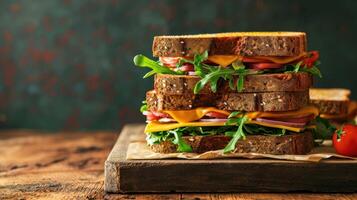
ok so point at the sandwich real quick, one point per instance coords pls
(245, 92)
(334, 104)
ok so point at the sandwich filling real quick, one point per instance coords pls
(211, 68)
(172, 125)
(205, 121)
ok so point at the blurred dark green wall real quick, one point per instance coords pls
(67, 64)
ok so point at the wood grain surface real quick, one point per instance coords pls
(69, 165)
(222, 175)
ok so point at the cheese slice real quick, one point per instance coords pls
(184, 116)
(157, 126)
(225, 60)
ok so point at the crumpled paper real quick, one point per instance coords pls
(140, 151)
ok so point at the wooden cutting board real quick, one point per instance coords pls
(222, 175)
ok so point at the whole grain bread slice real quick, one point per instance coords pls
(236, 43)
(263, 101)
(297, 143)
(282, 82)
(332, 101)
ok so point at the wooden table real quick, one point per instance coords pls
(69, 165)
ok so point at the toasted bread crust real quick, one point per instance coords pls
(242, 44)
(288, 82)
(332, 107)
(298, 143)
(331, 101)
(267, 101)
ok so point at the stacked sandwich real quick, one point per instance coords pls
(240, 92)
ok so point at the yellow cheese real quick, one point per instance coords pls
(184, 116)
(225, 60)
(157, 126)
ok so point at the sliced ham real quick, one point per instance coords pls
(169, 61)
(165, 120)
(216, 115)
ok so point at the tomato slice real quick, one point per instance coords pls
(265, 65)
(216, 115)
(313, 56)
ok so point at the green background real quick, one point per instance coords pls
(67, 65)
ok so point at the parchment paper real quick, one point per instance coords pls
(139, 151)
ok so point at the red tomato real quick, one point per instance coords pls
(216, 115)
(265, 65)
(313, 56)
(169, 61)
(347, 143)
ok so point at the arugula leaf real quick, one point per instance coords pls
(182, 146)
(157, 137)
(298, 68)
(231, 82)
(143, 107)
(312, 70)
(175, 136)
(324, 130)
(237, 135)
(197, 62)
(221, 73)
(212, 78)
(235, 113)
(257, 129)
(143, 61)
(212, 74)
(240, 82)
(238, 65)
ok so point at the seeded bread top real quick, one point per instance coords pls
(237, 43)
